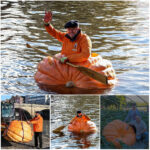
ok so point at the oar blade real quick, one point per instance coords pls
(93, 74)
(29, 46)
(58, 130)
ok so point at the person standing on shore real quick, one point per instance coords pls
(37, 122)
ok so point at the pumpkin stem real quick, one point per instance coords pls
(70, 84)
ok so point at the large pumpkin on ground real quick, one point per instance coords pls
(18, 131)
(82, 126)
(116, 131)
(51, 73)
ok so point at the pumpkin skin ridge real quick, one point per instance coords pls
(55, 82)
(58, 75)
(44, 61)
(11, 135)
(45, 73)
(72, 76)
(69, 74)
(15, 133)
(51, 75)
(78, 76)
(60, 78)
(14, 139)
(57, 64)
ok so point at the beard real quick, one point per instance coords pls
(79, 116)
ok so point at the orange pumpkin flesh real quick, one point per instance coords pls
(82, 127)
(116, 131)
(51, 73)
(18, 131)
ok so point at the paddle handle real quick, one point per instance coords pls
(68, 63)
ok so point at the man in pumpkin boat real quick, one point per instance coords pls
(82, 124)
(37, 122)
(76, 46)
(80, 116)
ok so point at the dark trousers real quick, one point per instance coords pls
(38, 139)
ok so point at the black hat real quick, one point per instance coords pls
(78, 112)
(37, 112)
(72, 24)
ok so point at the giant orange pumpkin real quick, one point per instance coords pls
(18, 131)
(51, 73)
(82, 126)
(116, 131)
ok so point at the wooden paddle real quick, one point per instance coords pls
(58, 130)
(91, 73)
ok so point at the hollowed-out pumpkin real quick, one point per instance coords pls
(52, 73)
(80, 125)
(18, 131)
(117, 131)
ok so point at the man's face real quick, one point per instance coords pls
(72, 31)
(79, 114)
(36, 114)
(134, 107)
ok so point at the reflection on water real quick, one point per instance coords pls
(62, 115)
(118, 30)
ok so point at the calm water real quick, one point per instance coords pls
(118, 30)
(62, 115)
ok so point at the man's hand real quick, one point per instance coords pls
(47, 17)
(28, 122)
(63, 60)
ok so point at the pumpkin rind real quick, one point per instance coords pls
(118, 130)
(51, 72)
(82, 126)
(18, 131)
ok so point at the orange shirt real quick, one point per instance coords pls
(78, 119)
(37, 123)
(78, 50)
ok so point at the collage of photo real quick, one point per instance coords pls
(74, 74)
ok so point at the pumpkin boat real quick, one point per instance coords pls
(3, 126)
(117, 131)
(18, 131)
(80, 125)
(51, 74)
